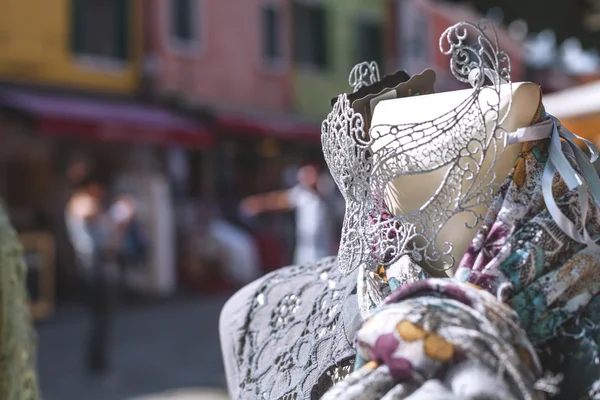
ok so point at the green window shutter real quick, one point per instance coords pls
(310, 34)
(303, 34)
(122, 29)
(319, 36)
(77, 24)
(369, 43)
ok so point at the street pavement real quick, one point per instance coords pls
(165, 350)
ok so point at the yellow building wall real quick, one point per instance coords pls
(35, 48)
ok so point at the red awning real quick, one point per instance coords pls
(280, 126)
(119, 120)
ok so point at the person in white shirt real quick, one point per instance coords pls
(96, 234)
(314, 219)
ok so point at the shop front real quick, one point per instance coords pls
(128, 143)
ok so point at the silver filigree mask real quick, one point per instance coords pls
(457, 141)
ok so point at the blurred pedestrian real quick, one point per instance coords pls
(314, 231)
(96, 234)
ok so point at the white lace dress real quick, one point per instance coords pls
(289, 335)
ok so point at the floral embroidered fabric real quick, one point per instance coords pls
(432, 337)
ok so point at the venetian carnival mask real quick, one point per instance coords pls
(462, 146)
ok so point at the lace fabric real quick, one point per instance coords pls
(294, 337)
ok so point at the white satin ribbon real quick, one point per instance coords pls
(561, 143)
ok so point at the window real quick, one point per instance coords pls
(310, 35)
(100, 28)
(272, 34)
(182, 23)
(419, 39)
(369, 43)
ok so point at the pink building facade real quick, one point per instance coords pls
(230, 61)
(221, 53)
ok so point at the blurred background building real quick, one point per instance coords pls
(191, 105)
